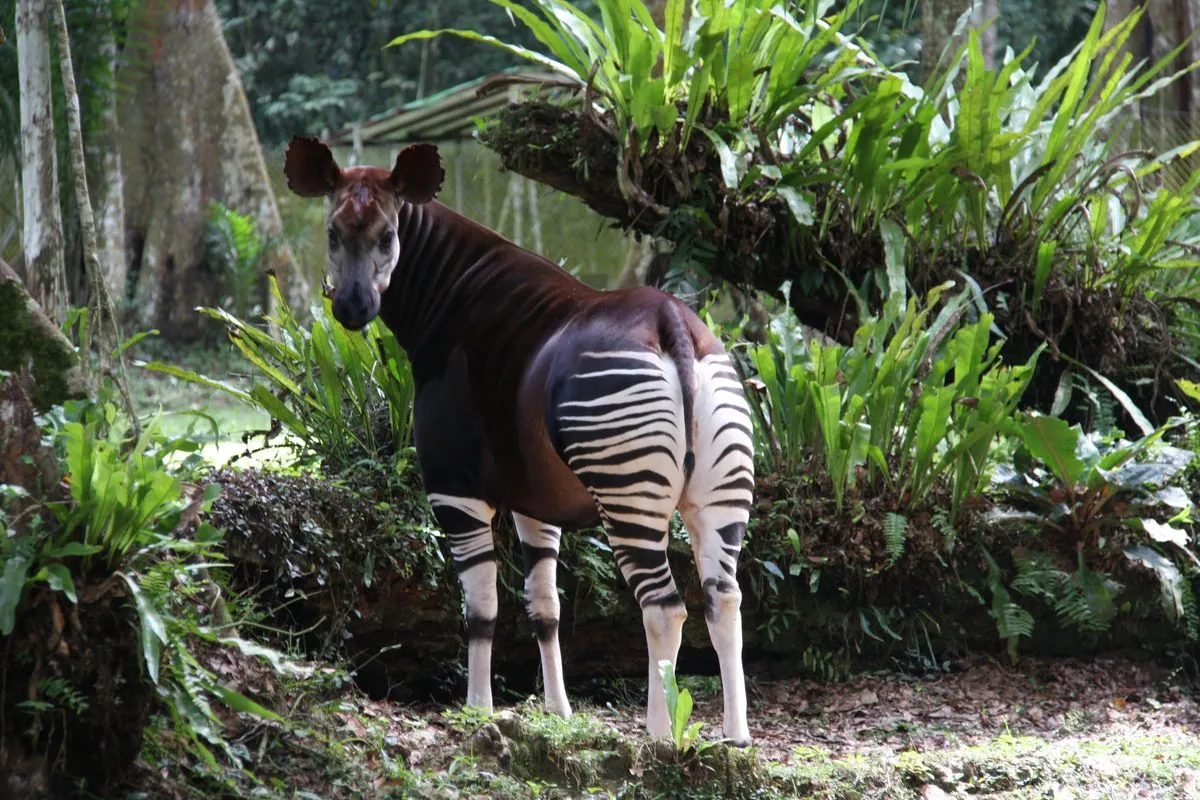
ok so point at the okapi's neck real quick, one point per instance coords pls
(458, 283)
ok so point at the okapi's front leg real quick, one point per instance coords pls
(467, 523)
(539, 546)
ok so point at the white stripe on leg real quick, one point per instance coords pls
(540, 547)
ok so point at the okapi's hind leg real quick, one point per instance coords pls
(620, 426)
(715, 509)
(539, 546)
(641, 553)
(467, 523)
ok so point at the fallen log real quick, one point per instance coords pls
(366, 578)
(753, 243)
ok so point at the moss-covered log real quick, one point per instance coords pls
(756, 244)
(371, 577)
(33, 342)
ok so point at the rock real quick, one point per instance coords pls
(489, 742)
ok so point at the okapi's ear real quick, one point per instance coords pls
(418, 174)
(310, 168)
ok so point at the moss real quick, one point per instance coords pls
(578, 752)
(53, 360)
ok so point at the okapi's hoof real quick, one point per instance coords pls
(741, 744)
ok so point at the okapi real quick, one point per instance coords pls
(566, 405)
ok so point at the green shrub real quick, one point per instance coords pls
(124, 505)
(127, 527)
(1091, 495)
(345, 397)
(912, 402)
(234, 244)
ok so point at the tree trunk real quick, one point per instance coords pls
(1193, 10)
(42, 236)
(102, 322)
(938, 19)
(189, 140)
(110, 205)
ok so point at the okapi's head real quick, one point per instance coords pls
(363, 237)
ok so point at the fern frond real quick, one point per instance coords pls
(1191, 613)
(945, 524)
(1012, 620)
(1087, 603)
(1036, 575)
(895, 534)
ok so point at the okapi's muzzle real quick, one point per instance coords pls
(355, 305)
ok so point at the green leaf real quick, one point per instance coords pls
(1054, 442)
(71, 549)
(675, 61)
(683, 712)
(1062, 394)
(797, 203)
(278, 661)
(194, 377)
(1170, 579)
(1125, 400)
(239, 702)
(558, 45)
(12, 585)
(276, 408)
(895, 246)
(153, 630)
(1162, 532)
(666, 671)
(515, 50)
(729, 169)
(59, 579)
(1045, 261)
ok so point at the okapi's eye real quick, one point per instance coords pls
(333, 239)
(385, 241)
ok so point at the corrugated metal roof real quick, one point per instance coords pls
(449, 114)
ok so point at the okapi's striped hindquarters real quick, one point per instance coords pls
(621, 428)
(563, 404)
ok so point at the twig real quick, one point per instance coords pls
(101, 299)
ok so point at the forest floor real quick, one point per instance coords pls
(1045, 729)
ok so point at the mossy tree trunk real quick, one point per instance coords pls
(188, 140)
(43, 370)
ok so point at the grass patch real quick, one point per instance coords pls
(224, 426)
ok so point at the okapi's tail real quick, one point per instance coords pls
(677, 342)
